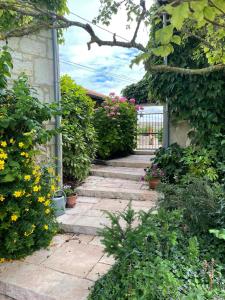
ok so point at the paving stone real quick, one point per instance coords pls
(112, 205)
(118, 193)
(98, 271)
(97, 241)
(74, 258)
(79, 208)
(23, 281)
(132, 161)
(40, 256)
(134, 174)
(87, 200)
(109, 260)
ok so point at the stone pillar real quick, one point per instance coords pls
(33, 55)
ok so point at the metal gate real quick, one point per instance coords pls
(149, 130)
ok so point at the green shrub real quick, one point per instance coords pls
(79, 138)
(27, 220)
(116, 127)
(179, 164)
(158, 260)
(169, 160)
(203, 204)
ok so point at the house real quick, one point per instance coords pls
(97, 97)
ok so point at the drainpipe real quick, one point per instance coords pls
(166, 120)
(57, 95)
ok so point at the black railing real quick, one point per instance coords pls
(149, 130)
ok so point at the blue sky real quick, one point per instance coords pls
(103, 69)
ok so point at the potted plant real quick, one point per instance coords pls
(153, 175)
(71, 196)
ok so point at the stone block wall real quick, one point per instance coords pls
(33, 55)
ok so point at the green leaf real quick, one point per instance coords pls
(164, 35)
(178, 14)
(8, 178)
(209, 13)
(176, 39)
(163, 51)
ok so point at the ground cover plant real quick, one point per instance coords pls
(27, 220)
(115, 122)
(160, 259)
(79, 138)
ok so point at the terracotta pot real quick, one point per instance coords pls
(153, 183)
(71, 201)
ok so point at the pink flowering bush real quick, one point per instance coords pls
(116, 126)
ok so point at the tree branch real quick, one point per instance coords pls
(184, 71)
(141, 18)
(57, 21)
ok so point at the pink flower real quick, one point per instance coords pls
(132, 100)
(137, 107)
(123, 99)
(141, 107)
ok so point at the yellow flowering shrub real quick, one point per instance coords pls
(27, 221)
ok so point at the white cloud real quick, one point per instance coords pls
(111, 64)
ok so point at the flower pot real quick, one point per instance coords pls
(153, 183)
(71, 201)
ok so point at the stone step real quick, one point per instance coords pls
(134, 174)
(132, 161)
(89, 215)
(144, 152)
(114, 188)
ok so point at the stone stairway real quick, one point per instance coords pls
(76, 259)
(111, 187)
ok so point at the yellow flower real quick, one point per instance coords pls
(47, 203)
(14, 217)
(2, 164)
(47, 211)
(3, 155)
(21, 144)
(18, 194)
(2, 260)
(2, 198)
(4, 144)
(41, 199)
(11, 141)
(45, 227)
(25, 154)
(36, 188)
(37, 179)
(27, 177)
(53, 188)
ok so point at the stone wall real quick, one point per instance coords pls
(33, 55)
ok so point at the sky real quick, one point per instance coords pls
(103, 69)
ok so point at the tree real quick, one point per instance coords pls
(205, 19)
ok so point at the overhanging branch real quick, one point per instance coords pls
(184, 71)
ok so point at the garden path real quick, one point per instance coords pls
(76, 259)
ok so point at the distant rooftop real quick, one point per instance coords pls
(95, 95)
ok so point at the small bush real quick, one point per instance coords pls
(169, 160)
(79, 138)
(158, 260)
(27, 220)
(116, 126)
(203, 204)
